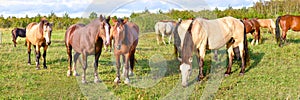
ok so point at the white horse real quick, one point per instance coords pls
(165, 28)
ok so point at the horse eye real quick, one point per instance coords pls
(190, 70)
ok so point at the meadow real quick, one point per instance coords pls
(273, 73)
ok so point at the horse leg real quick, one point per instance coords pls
(284, 33)
(230, 58)
(126, 65)
(162, 37)
(44, 56)
(75, 64)
(170, 38)
(258, 36)
(69, 51)
(84, 58)
(96, 80)
(242, 54)
(123, 62)
(202, 51)
(117, 80)
(255, 37)
(28, 51)
(157, 38)
(38, 55)
(14, 39)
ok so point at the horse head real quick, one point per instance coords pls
(104, 29)
(118, 32)
(46, 30)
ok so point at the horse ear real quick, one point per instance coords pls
(101, 18)
(108, 18)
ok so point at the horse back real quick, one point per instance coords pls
(70, 33)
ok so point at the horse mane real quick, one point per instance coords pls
(41, 25)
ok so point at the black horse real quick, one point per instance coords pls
(17, 32)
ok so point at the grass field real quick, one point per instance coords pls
(274, 73)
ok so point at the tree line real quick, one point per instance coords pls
(261, 9)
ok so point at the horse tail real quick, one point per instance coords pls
(246, 54)
(277, 31)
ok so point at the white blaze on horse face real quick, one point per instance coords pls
(46, 34)
(107, 33)
(186, 71)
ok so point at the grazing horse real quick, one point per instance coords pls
(87, 40)
(164, 28)
(17, 32)
(125, 35)
(267, 23)
(39, 35)
(251, 26)
(286, 22)
(213, 34)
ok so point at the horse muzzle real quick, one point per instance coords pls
(48, 43)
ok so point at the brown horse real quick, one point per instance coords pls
(125, 35)
(251, 26)
(267, 23)
(86, 40)
(286, 22)
(17, 32)
(39, 35)
(213, 34)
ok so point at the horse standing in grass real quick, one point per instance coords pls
(164, 28)
(87, 40)
(267, 23)
(38, 35)
(213, 34)
(125, 35)
(252, 26)
(17, 32)
(286, 22)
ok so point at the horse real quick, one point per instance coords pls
(17, 32)
(164, 28)
(87, 40)
(125, 35)
(251, 26)
(38, 35)
(286, 22)
(267, 23)
(213, 34)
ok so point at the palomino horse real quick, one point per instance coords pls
(213, 34)
(251, 26)
(125, 35)
(17, 32)
(39, 35)
(164, 28)
(267, 23)
(86, 40)
(286, 22)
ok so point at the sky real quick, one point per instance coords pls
(120, 8)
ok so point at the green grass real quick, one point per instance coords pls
(273, 73)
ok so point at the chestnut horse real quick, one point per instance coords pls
(39, 35)
(17, 32)
(286, 22)
(251, 26)
(125, 35)
(87, 40)
(267, 23)
(205, 34)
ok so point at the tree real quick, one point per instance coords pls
(93, 15)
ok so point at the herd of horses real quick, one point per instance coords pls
(195, 35)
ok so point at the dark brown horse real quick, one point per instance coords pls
(38, 35)
(86, 40)
(17, 32)
(286, 22)
(125, 35)
(252, 25)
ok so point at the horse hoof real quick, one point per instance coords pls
(28, 64)
(45, 67)
(83, 81)
(127, 81)
(97, 81)
(241, 74)
(131, 73)
(68, 73)
(38, 68)
(117, 80)
(75, 74)
(226, 75)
